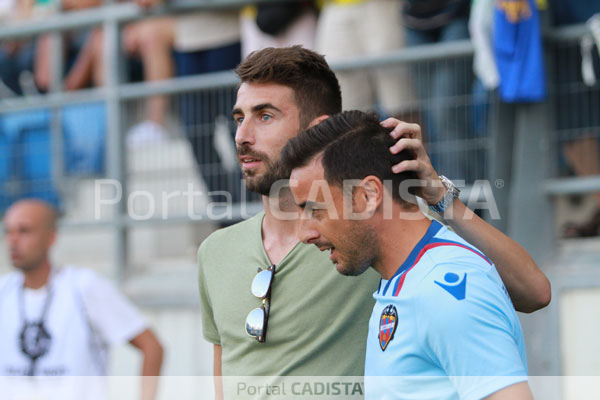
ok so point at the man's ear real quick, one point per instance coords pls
(317, 120)
(372, 192)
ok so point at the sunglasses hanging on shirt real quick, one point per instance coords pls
(258, 318)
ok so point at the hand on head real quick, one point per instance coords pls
(410, 138)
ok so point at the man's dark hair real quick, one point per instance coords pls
(316, 89)
(354, 146)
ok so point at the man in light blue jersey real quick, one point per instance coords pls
(443, 326)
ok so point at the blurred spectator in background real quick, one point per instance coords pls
(149, 40)
(16, 55)
(350, 29)
(60, 321)
(517, 41)
(208, 42)
(481, 24)
(508, 58)
(481, 28)
(435, 21)
(24, 57)
(205, 42)
(278, 24)
(79, 49)
(26, 162)
(578, 112)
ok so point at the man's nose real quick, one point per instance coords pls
(308, 234)
(244, 133)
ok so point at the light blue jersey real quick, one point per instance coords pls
(443, 327)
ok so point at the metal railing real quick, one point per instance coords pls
(575, 108)
(118, 96)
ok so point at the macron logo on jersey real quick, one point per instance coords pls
(454, 286)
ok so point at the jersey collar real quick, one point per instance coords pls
(433, 229)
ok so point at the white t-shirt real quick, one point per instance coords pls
(86, 313)
(7, 7)
(206, 30)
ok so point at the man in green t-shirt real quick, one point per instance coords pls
(317, 319)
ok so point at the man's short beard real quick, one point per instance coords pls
(364, 254)
(27, 267)
(356, 270)
(262, 184)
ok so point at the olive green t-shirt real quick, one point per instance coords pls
(318, 321)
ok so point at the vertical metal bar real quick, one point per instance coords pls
(115, 154)
(502, 128)
(530, 221)
(56, 132)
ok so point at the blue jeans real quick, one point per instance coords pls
(11, 66)
(446, 116)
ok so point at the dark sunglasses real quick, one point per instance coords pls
(257, 319)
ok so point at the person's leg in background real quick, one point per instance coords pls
(83, 57)
(338, 38)
(578, 120)
(152, 41)
(16, 57)
(207, 121)
(41, 66)
(85, 67)
(382, 31)
(583, 157)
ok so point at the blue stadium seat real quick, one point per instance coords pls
(25, 154)
(25, 150)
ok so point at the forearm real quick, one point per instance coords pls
(527, 285)
(150, 373)
(217, 372)
(152, 353)
(152, 363)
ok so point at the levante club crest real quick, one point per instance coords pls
(387, 326)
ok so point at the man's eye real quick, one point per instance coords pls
(317, 213)
(307, 212)
(265, 117)
(238, 120)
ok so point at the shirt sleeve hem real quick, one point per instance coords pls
(134, 330)
(212, 339)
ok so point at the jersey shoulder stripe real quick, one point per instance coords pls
(430, 241)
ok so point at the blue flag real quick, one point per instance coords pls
(518, 51)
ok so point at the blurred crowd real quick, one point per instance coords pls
(506, 35)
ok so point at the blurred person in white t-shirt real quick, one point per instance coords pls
(59, 320)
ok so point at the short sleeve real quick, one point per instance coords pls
(468, 327)
(209, 327)
(110, 313)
